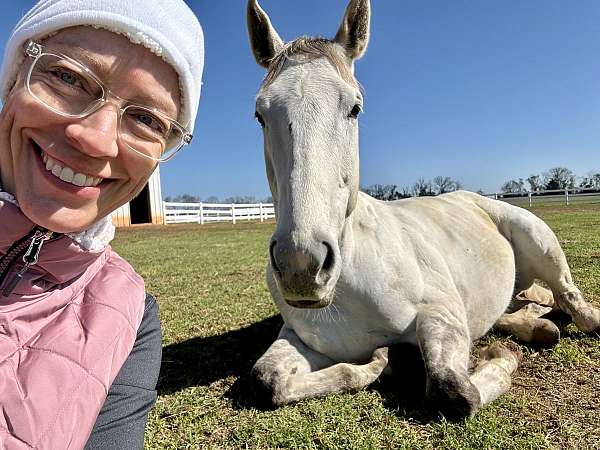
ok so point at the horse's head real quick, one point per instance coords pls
(308, 107)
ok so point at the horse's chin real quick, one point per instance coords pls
(308, 303)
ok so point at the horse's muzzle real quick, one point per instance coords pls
(305, 275)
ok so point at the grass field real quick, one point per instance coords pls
(218, 318)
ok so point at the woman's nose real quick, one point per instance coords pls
(97, 134)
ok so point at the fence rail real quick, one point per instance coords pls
(217, 212)
(565, 196)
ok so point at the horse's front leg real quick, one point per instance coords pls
(291, 371)
(445, 344)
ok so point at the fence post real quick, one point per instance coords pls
(233, 213)
(495, 196)
(567, 196)
(261, 211)
(529, 199)
(201, 214)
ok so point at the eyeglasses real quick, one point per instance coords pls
(70, 89)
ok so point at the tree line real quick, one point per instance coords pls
(420, 188)
(554, 179)
(188, 198)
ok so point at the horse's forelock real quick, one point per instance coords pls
(313, 48)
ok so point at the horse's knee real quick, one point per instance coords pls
(268, 385)
(453, 395)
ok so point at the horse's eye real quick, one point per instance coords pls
(260, 119)
(356, 110)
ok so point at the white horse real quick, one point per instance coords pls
(352, 275)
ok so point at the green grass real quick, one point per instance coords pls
(218, 318)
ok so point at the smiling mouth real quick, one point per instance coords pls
(66, 173)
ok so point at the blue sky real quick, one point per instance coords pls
(479, 91)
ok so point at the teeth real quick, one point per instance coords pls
(79, 179)
(67, 174)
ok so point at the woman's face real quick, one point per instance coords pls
(30, 134)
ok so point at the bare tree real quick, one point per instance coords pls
(592, 180)
(186, 198)
(422, 188)
(445, 184)
(513, 186)
(535, 183)
(559, 178)
(382, 191)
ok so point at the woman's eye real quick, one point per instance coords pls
(356, 110)
(67, 77)
(260, 119)
(150, 122)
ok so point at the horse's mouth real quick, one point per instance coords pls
(308, 304)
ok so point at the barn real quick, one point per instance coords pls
(146, 208)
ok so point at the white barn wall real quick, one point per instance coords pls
(122, 216)
(156, 204)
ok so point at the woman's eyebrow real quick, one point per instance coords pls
(154, 102)
(83, 56)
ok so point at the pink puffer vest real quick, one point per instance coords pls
(65, 332)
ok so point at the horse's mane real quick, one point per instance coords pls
(313, 47)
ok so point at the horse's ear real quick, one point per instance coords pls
(353, 34)
(264, 40)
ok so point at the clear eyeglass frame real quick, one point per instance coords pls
(36, 51)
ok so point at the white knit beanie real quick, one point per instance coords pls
(167, 27)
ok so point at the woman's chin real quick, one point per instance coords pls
(59, 219)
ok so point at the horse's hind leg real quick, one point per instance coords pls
(291, 371)
(527, 325)
(538, 255)
(445, 345)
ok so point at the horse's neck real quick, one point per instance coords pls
(362, 218)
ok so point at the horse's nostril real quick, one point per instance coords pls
(272, 257)
(329, 258)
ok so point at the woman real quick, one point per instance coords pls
(95, 94)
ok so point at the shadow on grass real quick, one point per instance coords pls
(202, 360)
(404, 391)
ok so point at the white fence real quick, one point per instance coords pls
(564, 196)
(217, 212)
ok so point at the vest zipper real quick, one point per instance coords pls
(28, 246)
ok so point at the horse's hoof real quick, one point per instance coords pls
(455, 398)
(380, 355)
(545, 333)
